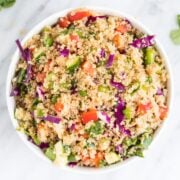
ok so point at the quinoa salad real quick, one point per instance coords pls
(90, 90)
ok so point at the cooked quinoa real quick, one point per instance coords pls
(91, 90)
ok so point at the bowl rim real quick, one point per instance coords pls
(50, 20)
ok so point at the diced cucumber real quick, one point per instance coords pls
(48, 41)
(73, 64)
(83, 93)
(112, 157)
(37, 58)
(149, 56)
(50, 153)
(72, 158)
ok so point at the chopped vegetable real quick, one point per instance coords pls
(64, 22)
(103, 88)
(143, 42)
(74, 37)
(54, 98)
(72, 158)
(178, 20)
(110, 60)
(52, 119)
(143, 108)
(97, 159)
(40, 77)
(73, 64)
(64, 52)
(147, 141)
(96, 129)
(149, 56)
(58, 106)
(127, 113)
(122, 28)
(88, 68)
(50, 153)
(163, 112)
(48, 41)
(102, 53)
(38, 57)
(83, 93)
(40, 92)
(135, 87)
(21, 75)
(90, 115)
(119, 86)
(112, 157)
(75, 16)
(104, 116)
(119, 149)
(15, 92)
(159, 92)
(94, 18)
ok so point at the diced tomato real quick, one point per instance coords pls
(58, 106)
(40, 77)
(88, 68)
(64, 22)
(122, 28)
(75, 16)
(74, 37)
(97, 159)
(143, 108)
(163, 112)
(90, 115)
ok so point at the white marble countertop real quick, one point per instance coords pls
(17, 162)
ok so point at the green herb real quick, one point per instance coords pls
(130, 141)
(54, 98)
(139, 152)
(83, 93)
(40, 113)
(147, 139)
(6, 3)
(50, 153)
(21, 75)
(38, 57)
(96, 128)
(149, 79)
(35, 103)
(135, 87)
(175, 36)
(72, 158)
(127, 113)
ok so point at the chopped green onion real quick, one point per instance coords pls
(21, 75)
(38, 57)
(103, 88)
(48, 41)
(83, 93)
(72, 158)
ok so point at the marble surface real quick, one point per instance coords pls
(18, 162)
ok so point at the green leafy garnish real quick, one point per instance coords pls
(72, 158)
(175, 36)
(6, 3)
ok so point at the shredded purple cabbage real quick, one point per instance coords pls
(143, 42)
(119, 149)
(124, 130)
(102, 53)
(117, 85)
(93, 19)
(64, 52)
(52, 119)
(73, 126)
(72, 164)
(159, 92)
(40, 92)
(44, 145)
(15, 92)
(110, 60)
(106, 117)
(25, 53)
(29, 73)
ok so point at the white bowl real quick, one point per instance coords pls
(49, 21)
